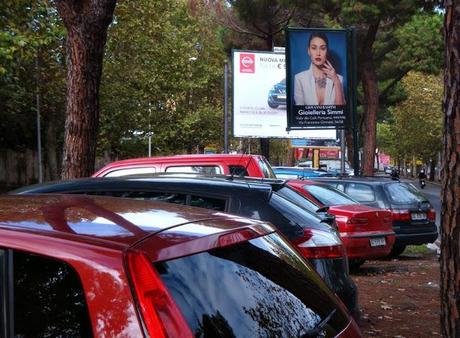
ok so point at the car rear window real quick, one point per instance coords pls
(266, 169)
(260, 288)
(328, 195)
(361, 192)
(297, 198)
(402, 193)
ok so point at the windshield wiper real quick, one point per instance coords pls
(313, 333)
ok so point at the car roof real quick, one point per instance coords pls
(111, 222)
(224, 184)
(372, 180)
(184, 158)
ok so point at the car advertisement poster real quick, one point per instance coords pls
(259, 98)
(317, 78)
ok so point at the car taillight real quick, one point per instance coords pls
(431, 214)
(319, 244)
(162, 318)
(400, 215)
(357, 221)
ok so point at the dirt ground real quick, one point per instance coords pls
(400, 297)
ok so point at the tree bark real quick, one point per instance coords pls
(86, 22)
(371, 106)
(450, 195)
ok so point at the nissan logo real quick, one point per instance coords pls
(246, 61)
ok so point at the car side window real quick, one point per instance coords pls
(207, 203)
(169, 197)
(339, 186)
(360, 192)
(131, 171)
(196, 169)
(238, 170)
(47, 297)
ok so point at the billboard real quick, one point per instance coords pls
(259, 97)
(317, 78)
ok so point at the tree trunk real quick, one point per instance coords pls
(371, 105)
(86, 23)
(450, 195)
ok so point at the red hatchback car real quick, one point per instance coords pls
(366, 232)
(225, 164)
(80, 266)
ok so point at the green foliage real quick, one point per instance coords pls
(162, 74)
(416, 123)
(30, 31)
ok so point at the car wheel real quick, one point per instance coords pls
(397, 250)
(355, 264)
(272, 105)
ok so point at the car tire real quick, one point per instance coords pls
(272, 105)
(396, 251)
(355, 264)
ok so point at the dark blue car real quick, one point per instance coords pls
(277, 95)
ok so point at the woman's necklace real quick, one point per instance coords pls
(320, 82)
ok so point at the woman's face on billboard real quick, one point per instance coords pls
(317, 50)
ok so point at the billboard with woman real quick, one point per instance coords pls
(317, 78)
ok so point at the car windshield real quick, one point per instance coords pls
(328, 195)
(403, 193)
(260, 288)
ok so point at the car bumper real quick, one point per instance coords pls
(415, 233)
(358, 245)
(416, 239)
(334, 273)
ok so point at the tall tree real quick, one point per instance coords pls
(376, 23)
(167, 61)
(86, 23)
(450, 196)
(261, 20)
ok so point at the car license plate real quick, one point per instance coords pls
(418, 216)
(282, 97)
(378, 241)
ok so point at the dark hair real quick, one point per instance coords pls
(318, 35)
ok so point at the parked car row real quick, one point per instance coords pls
(233, 251)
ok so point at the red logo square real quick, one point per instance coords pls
(247, 63)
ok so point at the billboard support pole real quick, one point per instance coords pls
(342, 151)
(226, 107)
(353, 101)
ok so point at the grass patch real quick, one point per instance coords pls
(416, 249)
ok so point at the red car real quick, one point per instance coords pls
(226, 164)
(366, 232)
(83, 266)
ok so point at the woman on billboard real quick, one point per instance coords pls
(320, 84)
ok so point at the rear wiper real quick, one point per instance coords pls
(315, 332)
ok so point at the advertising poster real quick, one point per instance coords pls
(317, 78)
(259, 98)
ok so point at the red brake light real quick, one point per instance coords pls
(400, 215)
(431, 215)
(161, 316)
(319, 244)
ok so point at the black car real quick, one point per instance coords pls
(253, 198)
(413, 216)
